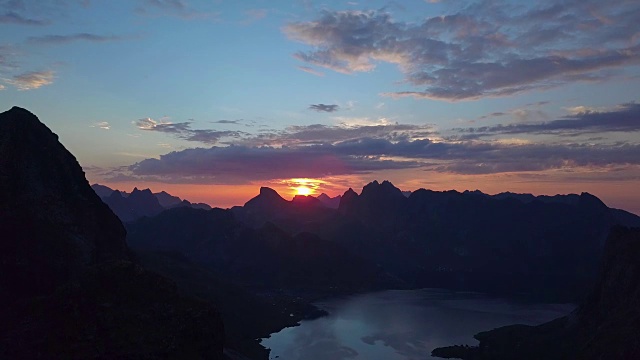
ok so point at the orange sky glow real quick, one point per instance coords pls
(613, 193)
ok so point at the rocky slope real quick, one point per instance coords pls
(68, 285)
(605, 326)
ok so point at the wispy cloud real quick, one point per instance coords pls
(311, 70)
(318, 134)
(104, 125)
(253, 15)
(625, 117)
(233, 122)
(11, 17)
(32, 80)
(63, 39)
(178, 8)
(491, 48)
(184, 131)
(324, 107)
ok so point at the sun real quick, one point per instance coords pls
(303, 186)
(303, 190)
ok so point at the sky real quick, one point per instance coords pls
(209, 100)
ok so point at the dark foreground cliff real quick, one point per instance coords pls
(605, 326)
(68, 285)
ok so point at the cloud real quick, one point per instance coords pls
(234, 122)
(36, 13)
(317, 151)
(168, 4)
(241, 164)
(102, 125)
(310, 70)
(183, 131)
(487, 49)
(179, 8)
(253, 15)
(32, 80)
(2, 87)
(324, 108)
(63, 39)
(11, 17)
(582, 120)
(318, 134)
(6, 54)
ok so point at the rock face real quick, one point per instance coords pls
(68, 286)
(609, 319)
(605, 326)
(52, 222)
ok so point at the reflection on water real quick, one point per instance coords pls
(403, 325)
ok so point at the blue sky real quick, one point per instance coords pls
(212, 99)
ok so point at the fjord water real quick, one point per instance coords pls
(402, 324)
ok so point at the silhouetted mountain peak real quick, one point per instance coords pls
(44, 195)
(349, 193)
(347, 200)
(101, 190)
(144, 192)
(386, 188)
(267, 197)
(65, 271)
(306, 200)
(330, 202)
(116, 194)
(167, 200)
(269, 192)
(587, 199)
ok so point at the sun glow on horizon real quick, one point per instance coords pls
(303, 186)
(303, 190)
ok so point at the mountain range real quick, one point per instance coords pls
(139, 203)
(547, 247)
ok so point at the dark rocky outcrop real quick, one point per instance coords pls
(69, 287)
(604, 326)
(52, 223)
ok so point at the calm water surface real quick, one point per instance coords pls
(402, 325)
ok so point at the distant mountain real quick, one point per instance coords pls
(103, 191)
(68, 285)
(132, 206)
(167, 200)
(547, 246)
(295, 215)
(604, 326)
(330, 202)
